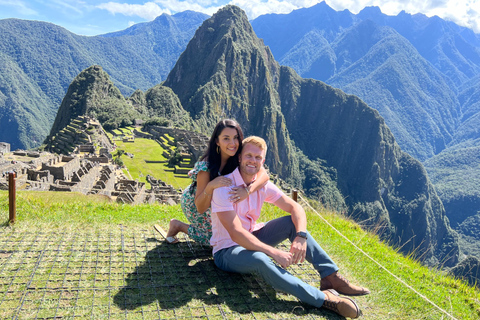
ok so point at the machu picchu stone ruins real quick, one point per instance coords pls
(79, 159)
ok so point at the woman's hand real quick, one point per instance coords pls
(238, 194)
(220, 181)
(205, 187)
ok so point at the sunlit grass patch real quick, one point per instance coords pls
(147, 149)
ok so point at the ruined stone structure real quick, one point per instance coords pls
(130, 191)
(105, 184)
(4, 147)
(86, 175)
(81, 135)
(188, 142)
(62, 167)
(84, 171)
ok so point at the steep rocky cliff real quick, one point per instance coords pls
(383, 186)
(226, 71)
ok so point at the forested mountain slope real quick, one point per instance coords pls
(39, 61)
(226, 71)
(410, 68)
(422, 75)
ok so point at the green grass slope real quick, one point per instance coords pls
(147, 149)
(422, 293)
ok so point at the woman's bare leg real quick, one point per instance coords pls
(177, 226)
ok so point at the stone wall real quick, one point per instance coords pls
(4, 147)
(106, 183)
(90, 173)
(130, 191)
(62, 167)
(100, 159)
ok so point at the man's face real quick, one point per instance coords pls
(251, 159)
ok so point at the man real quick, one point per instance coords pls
(242, 245)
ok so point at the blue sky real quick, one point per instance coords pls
(93, 17)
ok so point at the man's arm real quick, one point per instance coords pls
(232, 223)
(299, 245)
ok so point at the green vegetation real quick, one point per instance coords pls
(82, 211)
(455, 172)
(35, 68)
(62, 214)
(175, 159)
(147, 149)
(158, 121)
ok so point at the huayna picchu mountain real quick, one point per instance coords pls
(226, 71)
(332, 145)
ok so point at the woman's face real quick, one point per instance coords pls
(228, 141)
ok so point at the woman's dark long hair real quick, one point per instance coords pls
(213, 156)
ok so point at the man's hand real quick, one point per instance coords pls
(298, 250)
(284, 259)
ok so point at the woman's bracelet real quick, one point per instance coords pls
(206, 193)
(248, 191)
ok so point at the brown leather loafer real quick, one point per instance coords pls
(344, 306)
(342, 285)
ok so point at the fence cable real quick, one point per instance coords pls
(376, 262)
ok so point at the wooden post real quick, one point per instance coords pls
(12, 197)
(294, 195)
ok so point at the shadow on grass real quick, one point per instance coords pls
(7, 223)
(184, 276)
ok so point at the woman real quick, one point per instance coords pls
(220, 158)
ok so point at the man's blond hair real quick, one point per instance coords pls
(257, 141)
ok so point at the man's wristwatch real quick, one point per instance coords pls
(302, 234)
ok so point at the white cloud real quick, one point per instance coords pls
(148, 10)
(204, 6)
(254, 9)
(463, 12)
(67, 6)
(19, 6)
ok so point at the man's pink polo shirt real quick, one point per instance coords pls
(247, 210)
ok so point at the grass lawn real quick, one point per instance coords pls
(147, 149)
(75, 256)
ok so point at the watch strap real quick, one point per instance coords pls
(302, 234)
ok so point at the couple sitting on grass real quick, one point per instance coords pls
(223, 205)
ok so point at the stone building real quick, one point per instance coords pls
(4, 147)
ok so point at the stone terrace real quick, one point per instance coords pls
(87, 175)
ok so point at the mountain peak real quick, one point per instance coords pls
(221, 41)
(92, 93)
(372, 10)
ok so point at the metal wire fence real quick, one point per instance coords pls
(131, 274)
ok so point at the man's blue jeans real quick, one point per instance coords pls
(240, 260)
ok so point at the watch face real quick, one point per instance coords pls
(302, 234)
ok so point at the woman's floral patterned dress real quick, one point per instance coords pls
(200, 228)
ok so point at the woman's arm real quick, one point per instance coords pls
(205, 187)
(241, 193)
(260, 182)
